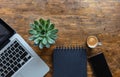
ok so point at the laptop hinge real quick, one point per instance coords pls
(4, 44)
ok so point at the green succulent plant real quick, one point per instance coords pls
(43, 33)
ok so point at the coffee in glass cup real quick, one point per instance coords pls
(92, 41)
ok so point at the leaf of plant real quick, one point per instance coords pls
(40, 27)
(37, 27)
(44, 41)
(51, 41)
(33, 32)
(37, 40)
(53, 37)
(48, 23)
(36, 44)
(35, 36)
(40, 38)
(51, 26)
(47, 45)
(45, 26)
(41, 45)
(36, 22)
(42, 21)
(32, 26)
(54, 31)
(31, 38)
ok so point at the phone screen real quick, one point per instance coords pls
(99, 66)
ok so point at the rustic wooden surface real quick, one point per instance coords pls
(75, 19)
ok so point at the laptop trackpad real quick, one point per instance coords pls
(34, 68)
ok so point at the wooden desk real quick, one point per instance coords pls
(75, 19)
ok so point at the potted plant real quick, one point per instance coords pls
(43, 33)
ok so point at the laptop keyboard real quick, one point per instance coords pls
(12, 59)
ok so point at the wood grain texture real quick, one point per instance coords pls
(75, 19)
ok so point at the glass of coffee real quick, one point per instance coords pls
(92, 41)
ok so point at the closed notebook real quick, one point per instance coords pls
(70, 62)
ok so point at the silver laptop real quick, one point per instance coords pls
(17, 59)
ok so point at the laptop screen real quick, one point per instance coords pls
(5, 32)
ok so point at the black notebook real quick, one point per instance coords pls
(69, 62)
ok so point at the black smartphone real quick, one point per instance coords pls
(99, 65)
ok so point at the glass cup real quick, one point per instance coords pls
(92, 42)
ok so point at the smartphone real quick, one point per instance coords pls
(99, 65)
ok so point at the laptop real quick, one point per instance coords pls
(17, 58)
